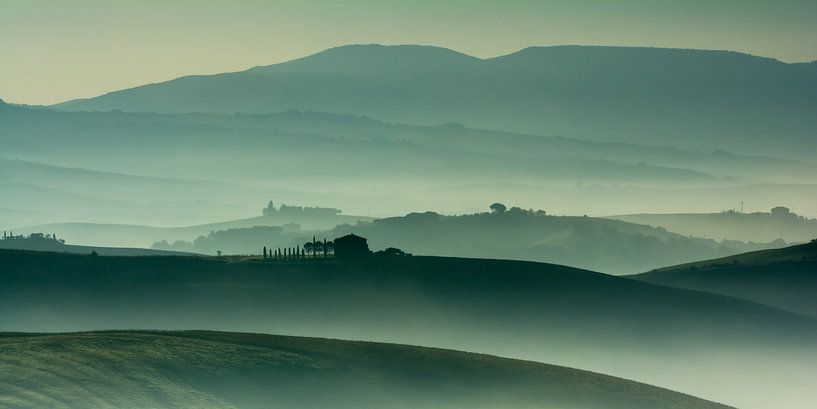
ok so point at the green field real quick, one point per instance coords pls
(132, 369)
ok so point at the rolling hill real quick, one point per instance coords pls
(733, 225)
(197, 369)
(90, 207)
(518, 234)
(36, 194)
(128, 235)
(715, 345)
(592, 243)
(784, 278)
(660, 96)
(49, 245)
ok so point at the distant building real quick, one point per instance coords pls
(780, 211)
(351, 247)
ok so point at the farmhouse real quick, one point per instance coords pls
(351, 247)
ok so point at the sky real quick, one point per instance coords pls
(56, 50)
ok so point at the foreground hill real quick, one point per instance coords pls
(711, 98)
(785, 278)
(198, 369)
(715, 345)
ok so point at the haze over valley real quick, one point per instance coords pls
(241, 205)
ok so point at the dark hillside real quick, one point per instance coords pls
(543, 312)
(784, 278)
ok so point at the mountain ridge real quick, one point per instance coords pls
(452, 52)
(625, 94)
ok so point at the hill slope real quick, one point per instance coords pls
(237, 371)
(28, 244)
(716, 345)
(784, 278)
(731, 225)
(712, 98)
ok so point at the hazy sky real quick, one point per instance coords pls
(56, 50)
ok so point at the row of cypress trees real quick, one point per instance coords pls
(309, 248)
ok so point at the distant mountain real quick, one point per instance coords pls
(784, 278)
(714, 345)
(716, 99)
(734, 225)
(219, 370)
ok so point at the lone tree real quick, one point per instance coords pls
(498, 208)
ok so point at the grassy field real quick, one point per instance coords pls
(238, 370)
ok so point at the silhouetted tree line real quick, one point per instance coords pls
(311, 249)
(233, 241)
(36, 237)
(777, 212)
(286, 210)
(499, 208)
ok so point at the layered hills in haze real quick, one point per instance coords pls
(225, 165)
(479, 192)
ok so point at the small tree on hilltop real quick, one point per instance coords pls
(497, 208)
